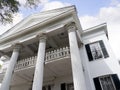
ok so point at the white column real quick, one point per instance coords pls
(77, 69)
(8, 75)
(39, 69)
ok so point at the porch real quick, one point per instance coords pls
(57, 69)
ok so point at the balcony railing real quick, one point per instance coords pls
(50, 56)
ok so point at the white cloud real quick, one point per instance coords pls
(17, 18)
(114, 2)
(54, 5)
(22, 2)
(110, 15)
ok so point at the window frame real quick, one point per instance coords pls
(102, 47)
(113, 78)
(100, 50)
(106, 76)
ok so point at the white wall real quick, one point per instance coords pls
(99, 67)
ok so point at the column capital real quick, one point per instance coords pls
(71, 26)
(16, 46)
(42, 36)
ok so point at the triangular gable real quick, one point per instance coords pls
(36, 18)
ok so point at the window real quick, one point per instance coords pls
(107, 82)
(70, 86)
(96, 50)
(47, 87)
(67, 86)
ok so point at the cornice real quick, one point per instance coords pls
(97, 28)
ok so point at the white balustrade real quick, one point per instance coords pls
(56, 54)
(25, 63)
(51, 55)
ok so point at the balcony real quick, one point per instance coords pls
(51, 56)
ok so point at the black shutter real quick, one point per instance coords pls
(63, 86)
(97, 84)
(89, 52)
(116, 81)
(103, 49)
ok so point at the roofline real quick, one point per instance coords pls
(103, 25)
(42, 12)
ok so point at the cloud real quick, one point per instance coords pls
(22, 2)
(114, 2)
(16, 18)
(53, 5)
(110, 15)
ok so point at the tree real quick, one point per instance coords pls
(9, 7)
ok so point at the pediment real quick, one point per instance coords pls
(35, 19)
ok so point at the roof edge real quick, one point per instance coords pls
(103, 25)
(42, 12)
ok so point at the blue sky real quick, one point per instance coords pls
(83, 6)
(89, 7)
(90, 13)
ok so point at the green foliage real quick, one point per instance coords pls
(9, 7)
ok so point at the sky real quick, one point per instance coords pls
(90, 13)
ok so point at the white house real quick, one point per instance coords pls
(50, 51)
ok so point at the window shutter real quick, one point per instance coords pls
(116, 81)
(89, 52)
(97, 84)
(63, 86)
(103, 49)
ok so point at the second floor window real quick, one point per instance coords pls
(96, 50)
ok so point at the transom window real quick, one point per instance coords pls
(96, 50)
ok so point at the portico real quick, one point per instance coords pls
(50, 51)
(47, 53)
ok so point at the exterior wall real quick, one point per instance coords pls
(98, 67)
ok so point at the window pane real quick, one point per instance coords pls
(96, 50)
(107, 83)
(103, 49)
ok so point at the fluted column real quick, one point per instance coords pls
(39, 69)
(77, 70)
(8, 75)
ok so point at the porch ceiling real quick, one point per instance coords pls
(52, 70)
(55, 39)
